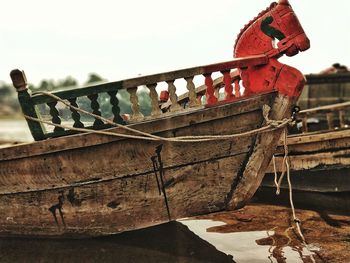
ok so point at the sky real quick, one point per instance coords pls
(122, 39)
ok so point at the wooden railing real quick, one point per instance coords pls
(31, 103)
(334, 115)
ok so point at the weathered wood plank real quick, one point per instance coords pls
(250, 178)
(324, 109)
(59, 169)
(159, 125)
(331, 181)
(120, 204)
(318, 136)
(321, 160)
(327, 78)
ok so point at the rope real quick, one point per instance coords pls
(270, 126)
(286, 168)
(278, 181)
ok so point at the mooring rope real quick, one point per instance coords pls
(286, 169)
(269, 126)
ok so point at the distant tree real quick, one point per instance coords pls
(8, 97)
(67, 82)
(5, 90)
(93, 77)
(32, 87)
(46, 85)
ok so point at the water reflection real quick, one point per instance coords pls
(283, 249)
(241, 245)
(188, 241)
(171, 242)
(252, 246)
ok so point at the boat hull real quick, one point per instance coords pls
(91, 185)
(319, 162)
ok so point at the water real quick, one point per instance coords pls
(241, 245)
(248, 246)
(14, 131)
(185, 241)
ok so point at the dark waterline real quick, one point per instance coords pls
(189, 241)
(171, 242)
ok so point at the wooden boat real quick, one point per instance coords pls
(319, 159)
(325, 89)
(319, 149)
(114, 179)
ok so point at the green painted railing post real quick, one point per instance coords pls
(20, 83)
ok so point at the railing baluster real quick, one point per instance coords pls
(75, 114)
(211, 99)
(228, 86)
(173, 97)
(95, 106)
(304, 127)
(237, 89)
(135, 107)
(115, 106)
(55, 115)
(330, 120)
(342, 118)
(154, 99)
(192, 96)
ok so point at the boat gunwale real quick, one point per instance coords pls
(76, 141)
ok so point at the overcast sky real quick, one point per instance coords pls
(119, 39)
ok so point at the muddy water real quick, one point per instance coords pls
(185, 241)
(248, 246)
(256, 233)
